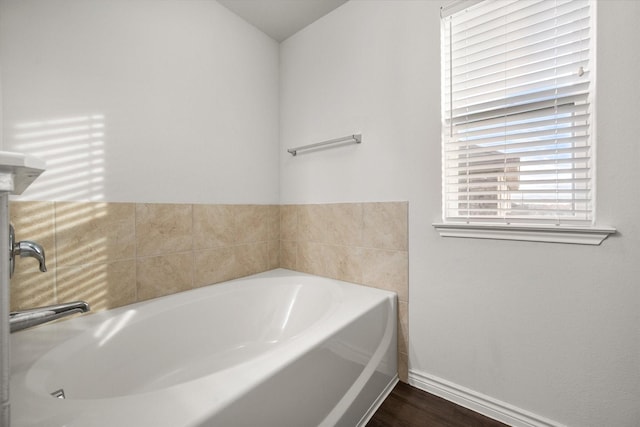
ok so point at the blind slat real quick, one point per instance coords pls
(506, 141)
(506, 173)
(552, 95)
(526, 77)
(471, 185)
(582, 193)
(532, 119)
(502, 162)
(515, 112)
(520, 85)
(515, 127)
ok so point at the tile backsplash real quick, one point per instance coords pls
(114, 254)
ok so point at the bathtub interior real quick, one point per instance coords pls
(229, 328)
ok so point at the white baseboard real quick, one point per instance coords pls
(478, 402)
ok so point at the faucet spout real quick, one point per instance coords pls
(27, 248)
(19, 320)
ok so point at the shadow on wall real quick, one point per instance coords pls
(74, 149)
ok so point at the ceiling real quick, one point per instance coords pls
(280, 19)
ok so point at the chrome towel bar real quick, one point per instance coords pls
(355, 138)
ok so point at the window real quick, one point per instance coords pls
(517, 97)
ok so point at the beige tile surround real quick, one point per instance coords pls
(364, 243)
(114, 254)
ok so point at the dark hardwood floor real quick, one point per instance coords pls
(408, 406)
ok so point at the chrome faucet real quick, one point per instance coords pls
(23, 319)
(25, 248)
(19, 320)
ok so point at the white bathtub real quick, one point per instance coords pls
(276, 349)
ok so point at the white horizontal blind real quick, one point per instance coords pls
(517, 82)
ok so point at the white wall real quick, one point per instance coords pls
(141, 100)
(550, 328)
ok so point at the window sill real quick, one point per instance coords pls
(527, 233)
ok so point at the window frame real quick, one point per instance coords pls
(541, 231)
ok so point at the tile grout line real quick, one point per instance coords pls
(193, 247)
(55, 246)
(135, 252)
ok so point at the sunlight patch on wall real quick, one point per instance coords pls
(73, 234)
(74, 149)
(81, 249)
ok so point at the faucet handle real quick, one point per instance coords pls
(25, 248)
